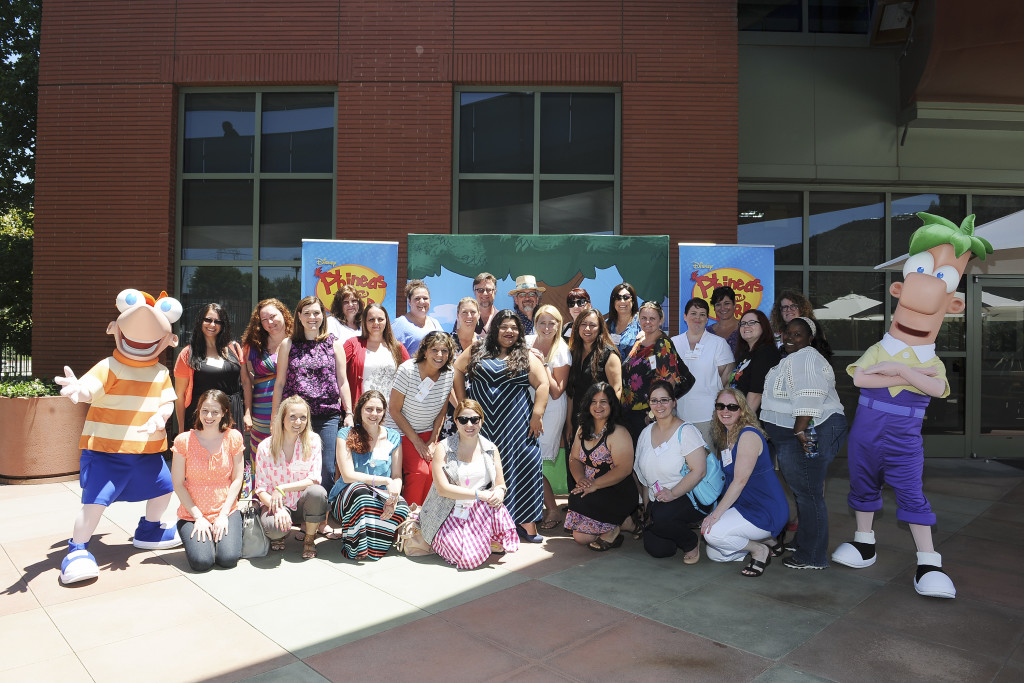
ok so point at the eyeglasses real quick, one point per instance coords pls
(484, 290)
(624, 297)
(468, 419)
(659, 401)
(573, 303)
(731, 407)
(789, 307)
(749, 323)
(529, 294)
(211, 321)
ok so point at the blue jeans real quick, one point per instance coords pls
(326, 426)
(806, 479)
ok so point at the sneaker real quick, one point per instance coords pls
(155, 536)
(79, 565)
(794, 563)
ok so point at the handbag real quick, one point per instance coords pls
(409, 536)
(709, 489)
(254, 540)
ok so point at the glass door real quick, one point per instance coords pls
(995, 353)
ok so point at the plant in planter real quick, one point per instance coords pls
(41, 431)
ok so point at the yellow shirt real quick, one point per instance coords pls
(878, 353)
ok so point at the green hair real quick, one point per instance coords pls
(938, 230)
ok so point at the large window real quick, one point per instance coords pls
(536, 162)
(818, 16)
(257, 177)
(827, 243)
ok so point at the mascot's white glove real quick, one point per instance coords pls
(72, 387)
(159, 419)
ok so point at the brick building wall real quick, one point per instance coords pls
(107, 136)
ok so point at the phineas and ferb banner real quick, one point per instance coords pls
(748, 269)
(370, 267)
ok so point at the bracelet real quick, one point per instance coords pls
(279, 490)
(798, 433)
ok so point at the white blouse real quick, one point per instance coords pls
(803, 383)
(664, 464)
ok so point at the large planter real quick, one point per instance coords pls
(39, 439)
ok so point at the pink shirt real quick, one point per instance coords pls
(271, 471)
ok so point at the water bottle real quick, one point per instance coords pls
(811, 445)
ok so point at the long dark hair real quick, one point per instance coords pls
(387, 336)
(298, 333)
(743, 349)
(433, 339)
(586, 420)
(339, 300)
(612, 314)
(602, 341)
(197, 343)
(358, 440)
(488, 347)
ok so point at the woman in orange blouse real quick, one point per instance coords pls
(207, 473)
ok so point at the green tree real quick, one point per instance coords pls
(16, 279)
(19, 76)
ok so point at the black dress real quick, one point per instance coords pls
(606, 507)
(227, 378)
(582, 378)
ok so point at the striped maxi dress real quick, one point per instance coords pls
(263, 369)
(507, 408)
(365, 536)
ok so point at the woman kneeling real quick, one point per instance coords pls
(288, 467)
(365, 498)
(753, 508)
(207, 473)
(464, 517)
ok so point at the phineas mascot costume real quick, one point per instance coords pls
(898, 378)
(123, 441)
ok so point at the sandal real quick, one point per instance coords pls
(277, 545)
(756, 567)
(309, 548)
(779, 547)
(695, 557)
(600, 545)
(549, 523)
(639, 523)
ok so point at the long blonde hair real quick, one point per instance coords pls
(277, 431)
(558, 342)
(719, 435)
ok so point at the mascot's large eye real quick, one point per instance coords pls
(922, 263)
(169, 308)
(949, 276)
(130, 298)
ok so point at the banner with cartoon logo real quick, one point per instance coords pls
(748, 268)
(370, 267)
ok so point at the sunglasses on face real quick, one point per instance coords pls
(211, 321)
(625, 297)
(467, 419)
(577, 302)
(731, 407)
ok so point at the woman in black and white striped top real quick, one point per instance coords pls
(417, 407)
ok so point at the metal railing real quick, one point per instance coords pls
(14, 365)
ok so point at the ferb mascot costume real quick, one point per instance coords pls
(124, 440)
(897, 378)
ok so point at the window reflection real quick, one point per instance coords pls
(773, 218)
(280, 282)
(847, 228)
(219, 132)
(577, 132)
(575, 207)
(297, 132)
(904, 210)
(850, 307)
(230, 286)
(496, 132)
(496, 206)
(290, 211)
(216, 219)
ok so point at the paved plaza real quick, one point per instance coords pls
(550, 612)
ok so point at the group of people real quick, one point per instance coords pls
(352, 424)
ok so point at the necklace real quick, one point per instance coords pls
(599, 434)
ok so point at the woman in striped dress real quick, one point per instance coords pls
(269, 325)
(501, 370)
(365, 498)
(467, 501)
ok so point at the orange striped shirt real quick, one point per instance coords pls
(125, 394)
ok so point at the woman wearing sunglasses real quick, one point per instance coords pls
(623, 325)
(753, 508)
(464, 517)
(576, 301)
(210, 361)
(804, 419)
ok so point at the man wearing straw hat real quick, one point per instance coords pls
(526, 298)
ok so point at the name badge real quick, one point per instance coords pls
(660, 450)
(461, 509)
(653, 362)
(615, 338)
(424, 389)
(726, 457)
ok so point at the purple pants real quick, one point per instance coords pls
(886, 448)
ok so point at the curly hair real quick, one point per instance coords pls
(255, 337)
(806, 309)
(432, 339)
(358, 440)
(518, 354)
(339, 300)
(719, 434)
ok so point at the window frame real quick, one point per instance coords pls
(255, 263)
(536, 176)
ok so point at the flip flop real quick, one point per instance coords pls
(601, 545)
(549, 523)
(755, 568)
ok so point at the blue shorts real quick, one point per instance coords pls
(109, 477)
